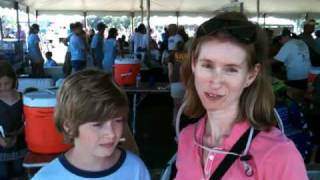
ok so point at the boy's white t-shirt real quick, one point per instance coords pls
(128, 167)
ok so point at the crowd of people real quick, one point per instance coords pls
(222, 77)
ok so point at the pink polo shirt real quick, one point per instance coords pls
(274, 156)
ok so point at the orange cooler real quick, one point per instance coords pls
(126, 70)
(41, 133)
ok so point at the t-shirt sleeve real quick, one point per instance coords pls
(285, 162)
(138, 166)
(144, 173)
(49, 171)
(283, 53)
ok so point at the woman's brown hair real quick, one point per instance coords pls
(257, 100)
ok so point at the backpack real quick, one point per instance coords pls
(316, 91)
(295, 126)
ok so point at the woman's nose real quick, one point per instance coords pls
(216, 79)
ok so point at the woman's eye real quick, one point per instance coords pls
(206, 65)
(231, 69)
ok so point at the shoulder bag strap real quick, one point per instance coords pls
(229, 158)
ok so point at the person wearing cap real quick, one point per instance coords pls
(294, 54)
(306, 36)
(97, 45)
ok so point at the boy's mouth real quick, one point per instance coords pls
(107, 145)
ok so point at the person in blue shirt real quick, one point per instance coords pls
(91, 113)
(110, 50)
(97, 45)
(34, 52)
(50, 62)
(77, 48)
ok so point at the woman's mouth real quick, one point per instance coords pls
(213, 96)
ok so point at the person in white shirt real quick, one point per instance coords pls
(174, 37)
(140, 42)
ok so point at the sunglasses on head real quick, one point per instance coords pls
(244, 31)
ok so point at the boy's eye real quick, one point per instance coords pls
(118, 120)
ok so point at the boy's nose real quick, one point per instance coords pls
(108, 131)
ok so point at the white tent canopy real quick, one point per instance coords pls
(288, 8)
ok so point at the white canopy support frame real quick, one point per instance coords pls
(283, 7)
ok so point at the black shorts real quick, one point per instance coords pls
(299, 84)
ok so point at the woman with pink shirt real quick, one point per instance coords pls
(228, 88)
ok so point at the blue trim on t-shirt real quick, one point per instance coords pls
(92, 174)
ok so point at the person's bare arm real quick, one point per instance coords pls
(2, 142)
(170, 71)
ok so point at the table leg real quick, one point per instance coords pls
(134, 113)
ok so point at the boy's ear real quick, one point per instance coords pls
(66, 126)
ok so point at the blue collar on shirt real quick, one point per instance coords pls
(92, 174)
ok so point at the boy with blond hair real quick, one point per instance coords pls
(91, 112)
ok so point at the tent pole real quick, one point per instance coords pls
(306, 16)
(132, 25)
(258, 10)
(177, 15)
(141, 7)
(85, 19)
(1, 30)
(28, 13)
(241, 7)
(37, 14)
(20, 45)
(16, 7)
(148, 29)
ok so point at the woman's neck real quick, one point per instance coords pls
(218, 126)
(91, 163)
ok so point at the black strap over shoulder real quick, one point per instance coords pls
(229, 158)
